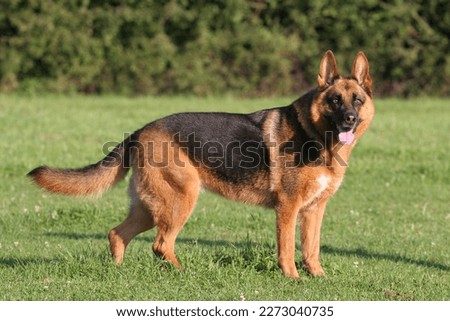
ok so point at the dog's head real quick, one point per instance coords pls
(344, 104)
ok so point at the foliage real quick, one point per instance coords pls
(204, 47)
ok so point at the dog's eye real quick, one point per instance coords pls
(357, 102)
(334, 101)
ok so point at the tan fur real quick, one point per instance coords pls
(165, 196)
(77, 183)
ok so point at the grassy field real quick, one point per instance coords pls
(385, 235)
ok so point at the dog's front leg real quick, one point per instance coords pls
(286, 225)
(310, 223)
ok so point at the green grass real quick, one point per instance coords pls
(385, 235)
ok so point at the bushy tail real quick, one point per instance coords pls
(92, 179)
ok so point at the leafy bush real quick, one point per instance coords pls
(214, 47)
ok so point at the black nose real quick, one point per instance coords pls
(350, 117)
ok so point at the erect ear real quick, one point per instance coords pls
(360, 72)
(328, 70)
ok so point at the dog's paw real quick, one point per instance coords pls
(314, 269)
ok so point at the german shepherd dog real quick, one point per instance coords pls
(291, 159)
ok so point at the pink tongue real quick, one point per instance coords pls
(346, 137)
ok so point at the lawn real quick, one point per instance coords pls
(385, 235)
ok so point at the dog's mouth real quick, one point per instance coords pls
(347, 137)
(344, 123)
(345, 132)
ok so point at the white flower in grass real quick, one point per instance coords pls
(54, 215)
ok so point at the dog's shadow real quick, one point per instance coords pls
(398, 258)
(328, 249)
(14, 262)
(181, 240)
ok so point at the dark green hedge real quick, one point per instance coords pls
(214, 47)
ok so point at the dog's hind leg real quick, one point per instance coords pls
(178, 206)
(139, 220)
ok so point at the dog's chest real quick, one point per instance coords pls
(322, 186)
